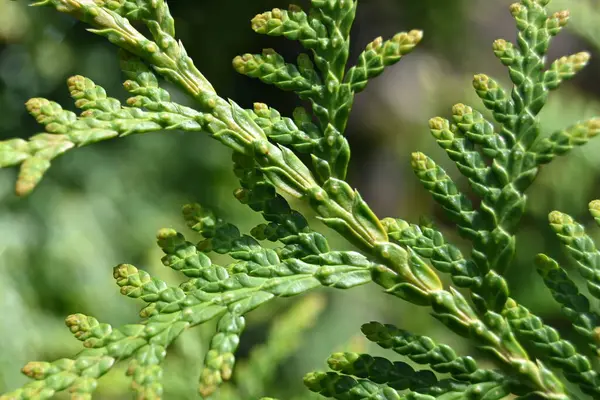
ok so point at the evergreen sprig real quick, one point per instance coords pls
(500, 159)
(361, 376)
(587, 13)
(256, 276)
(102, 118)
(500, 165)
(580, 246)
(560, 353)
(425, 351)
(576, 305)
(324, 80)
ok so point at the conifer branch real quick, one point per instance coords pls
(325, 32)
(102, 118)
(560, 353)
(210, 292)
(500, 165)
(575, 305)
(579, 246)
(425, 351)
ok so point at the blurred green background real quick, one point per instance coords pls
(100, 206)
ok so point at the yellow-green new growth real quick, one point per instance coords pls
(102, 118)
(379, 54)
(500, 161)
(271, 68)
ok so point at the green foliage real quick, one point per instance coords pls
(102, 118)
(500, 159)
(325, 31)
(587, 13)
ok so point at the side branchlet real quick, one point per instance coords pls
(500, 159)
(321, 77)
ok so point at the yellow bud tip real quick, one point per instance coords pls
(516, 9)
(35, 105)
(594, 206)
(24, 188)
(582, 58)
(260, 107)
(124, 270)
(419, 161)
(500, 45)
(416, 35)
(461, 109)
(556, 217)
(575, 61)
(166, 233)
(238, 63)
(511, 303)
(118, 272)
(562, 17)
(481, 82)
(35, 369)
(375, 44)
(77, 323)
(438, 123)
(76, 83)
(593, 127)
(259, 22)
